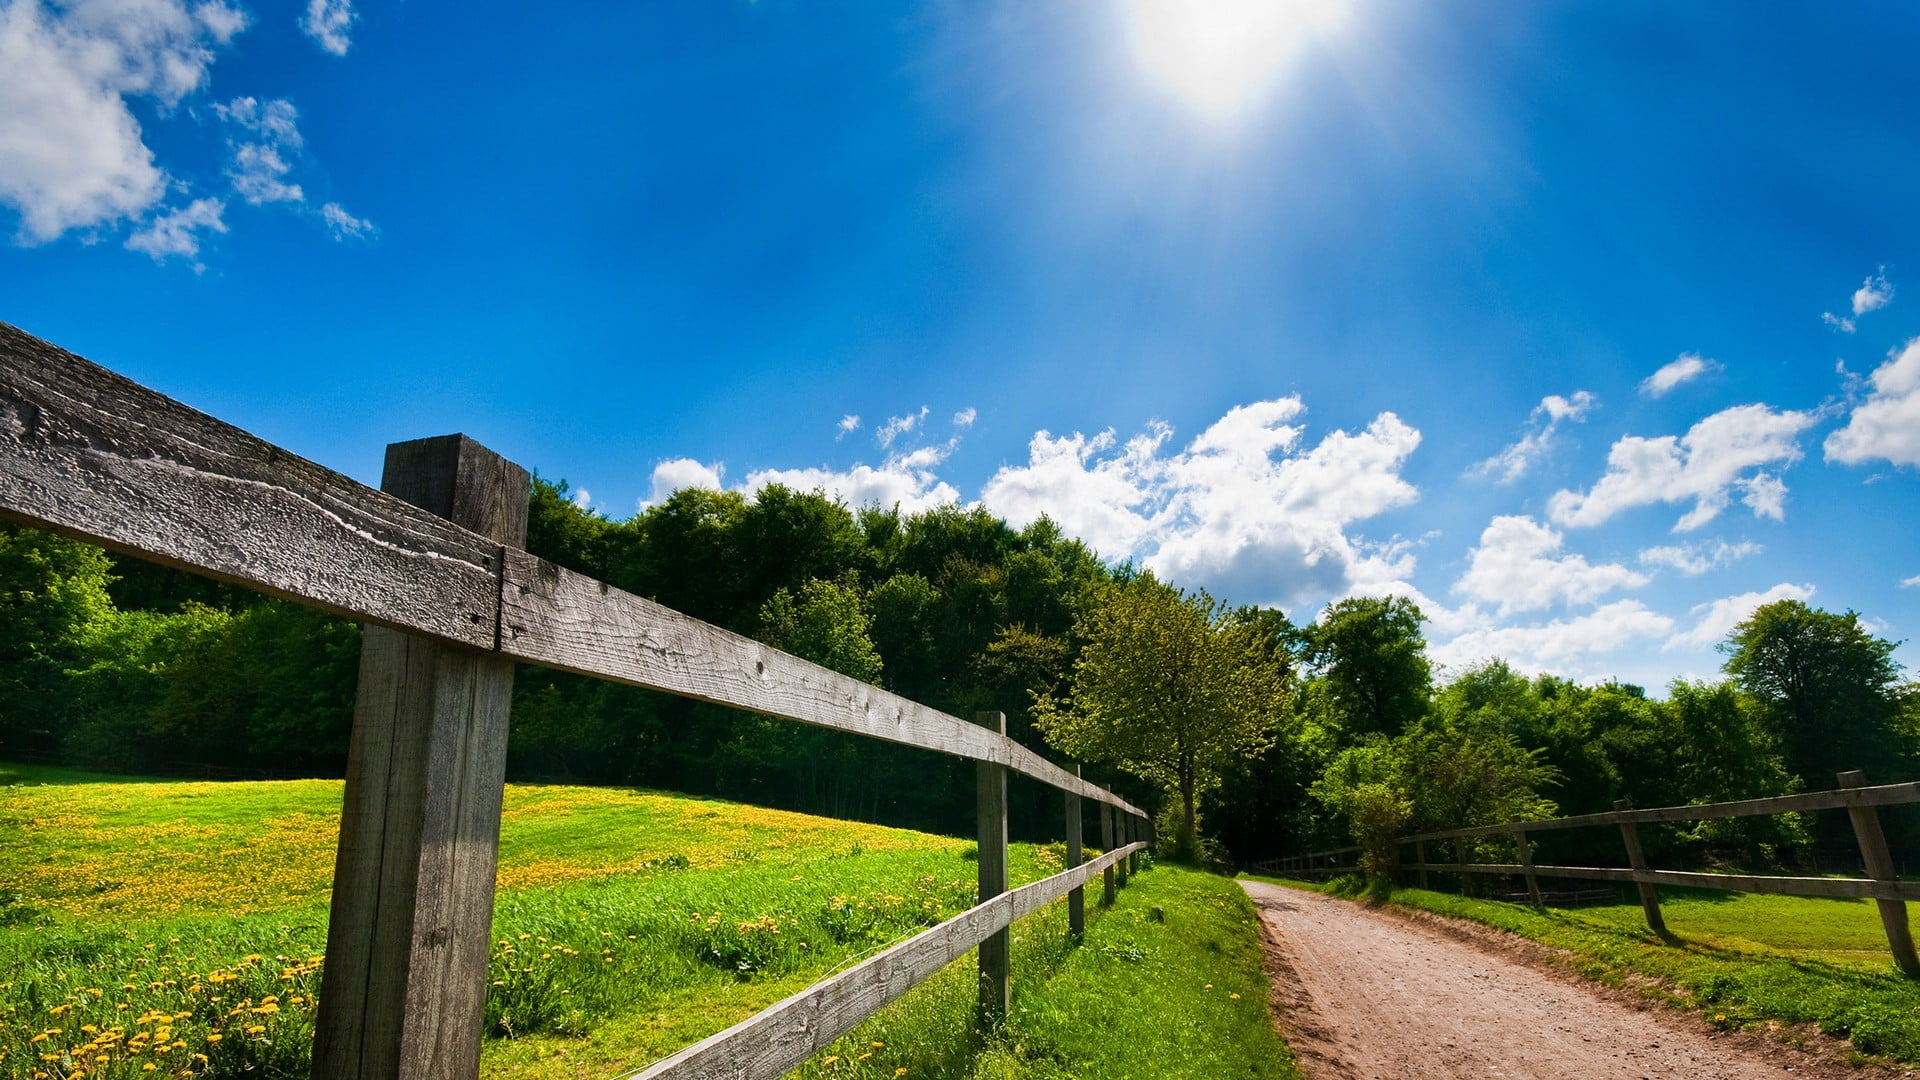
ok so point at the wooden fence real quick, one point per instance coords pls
(433, 564)
(1881, 884)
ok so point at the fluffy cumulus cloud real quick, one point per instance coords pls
(1713, 621)
(1873, 294)
(327, 23)
(848, 425)
(1728, 452)
(1885, 426)
(1520, 565)
(72, 156)
(908, 481)
(1246, 509)
(897, 426)
(1696, 559)
(671, 476)
(1683, 368)
(1566, 646)
(1513, 462)
(261, 135)
(177, 232)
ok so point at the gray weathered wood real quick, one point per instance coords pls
(1106, 844)
(557, 618)
(990, 815)
(1077, 898)
(405, 982)
(1882, 795)
(1858, 888)
(90, 454)
(1649, 896)
(1526, 864)
(1120, 838)
(770, 1043)
(1880, 867)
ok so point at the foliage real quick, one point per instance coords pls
(1372, 657)
(52, 593)
(1170, 687)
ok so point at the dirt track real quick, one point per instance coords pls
(1364, 995)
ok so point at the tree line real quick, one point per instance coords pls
(1253, 735)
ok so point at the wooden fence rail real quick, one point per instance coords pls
(1881, 884)
(434, 564)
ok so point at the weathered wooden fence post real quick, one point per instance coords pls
(991, 814)
(405, 982)
(1420, 856)
(1526, 865)
(1460, 848)
(1106, 844)
(1120, 840)
(1649, 896)
(1077, 898)
(1880, 867)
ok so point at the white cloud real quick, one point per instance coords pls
(1563, 646)
(848, 425)
(327, 21)
(1873, 294)
(907, 481)
(1912, 582)
(1683, 368)
(1519, 566)
(1713, 621)
(177, 232)
(1696, 559)
(343, 225)
(1720, 454)
(582, 498)
(671, 476)
(258, 173)
(1512, 463)
(1244, 510)
(72, 155)
(898, 426)
(1887, 424)
(965, 417)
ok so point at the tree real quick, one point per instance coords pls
(1169, 686)
(53, 591)
(1371, 654)
(1830, 688)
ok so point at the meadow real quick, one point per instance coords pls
(176, 928)
(1738, 959)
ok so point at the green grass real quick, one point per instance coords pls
(1740, 960)
(180, 925)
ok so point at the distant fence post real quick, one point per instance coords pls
(991, 814)
(1420, 857)
(1106, 844)
(1119, 840)
(1649, 896)
(1880, 867)
(405, 982)
(1526, 865)
(1076, 899)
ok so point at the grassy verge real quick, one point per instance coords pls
(165, 928)
(1740, 960)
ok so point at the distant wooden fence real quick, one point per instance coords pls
(434, 564)
(1881, 884)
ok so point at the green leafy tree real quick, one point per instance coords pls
(1373, 658)
(1170, 687)
(825, 622)
(53, 593)
(1831, 690)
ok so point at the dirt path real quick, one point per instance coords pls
(1367, 995)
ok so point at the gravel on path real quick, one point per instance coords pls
(1364, 994)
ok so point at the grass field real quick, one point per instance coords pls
(172, 928)
(1738, 959)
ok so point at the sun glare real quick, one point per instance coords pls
(1221, 57)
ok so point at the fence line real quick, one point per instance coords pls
(1881, 884)
(433, 563)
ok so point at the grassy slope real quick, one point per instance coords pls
(1738, 959)
(628, 924)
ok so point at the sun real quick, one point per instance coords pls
(1220, 57)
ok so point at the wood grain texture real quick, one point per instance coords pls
(404, 988)
(996, 949)
(90, 454)
(1106, 844)
(1637, 859)
(1076, 854)
(557, 618)
(770, 1043)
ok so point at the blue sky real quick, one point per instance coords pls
(1588, 325)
